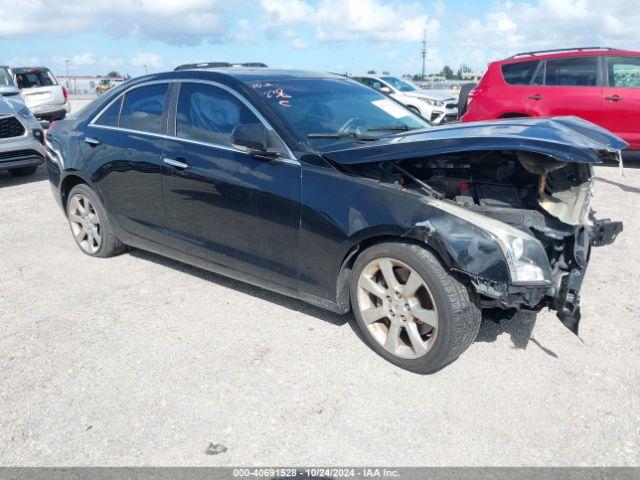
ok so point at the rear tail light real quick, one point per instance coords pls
(474, 93)
(65, 93)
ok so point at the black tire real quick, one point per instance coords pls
(463, 98)
(458, 313)
(109, 243)
(23, 171)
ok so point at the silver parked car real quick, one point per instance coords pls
(45, 97)
(8, 87)
(21, 138)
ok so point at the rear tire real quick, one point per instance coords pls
(90, 223)
(436, 321)
(23, 171)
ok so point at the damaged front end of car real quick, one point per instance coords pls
(509, 203)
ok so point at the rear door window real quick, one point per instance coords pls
(624, 72)
(142, 108)
(209, 114)
(35, 78)
(575, 72)
(519, 73)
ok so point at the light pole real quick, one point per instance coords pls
(145, 69)
(66, 64)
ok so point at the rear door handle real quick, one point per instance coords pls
(94, 142)
(178, 163)
(537, 96)
(613, 98)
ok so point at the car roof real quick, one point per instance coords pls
(253, 74)
(28, 69)
(566, 53)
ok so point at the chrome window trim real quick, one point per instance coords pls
(290, 158)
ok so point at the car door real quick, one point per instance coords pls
(224, 205)
(123, 152)
(567, 86)
(621, 98)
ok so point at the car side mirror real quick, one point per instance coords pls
(252, 138)
(9, 90)
(385, 90)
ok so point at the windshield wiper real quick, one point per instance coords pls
(396, 128)
(340, 135)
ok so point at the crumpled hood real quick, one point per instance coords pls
(569, 139)
(431, 94)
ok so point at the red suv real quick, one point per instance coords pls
(601, 85)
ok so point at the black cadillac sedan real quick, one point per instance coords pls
(317, 187)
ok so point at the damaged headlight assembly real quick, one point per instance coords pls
(527, 260)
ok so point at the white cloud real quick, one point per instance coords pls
(25, 61)
(148, 59)
(245, 33)
(343, 20)
(298, 43)
(511, 27)
(184, 22)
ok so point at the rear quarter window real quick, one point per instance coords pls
(519, 73)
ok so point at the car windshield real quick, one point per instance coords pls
(399, 84)
(36, 77)
(5, 78)
(330, 110)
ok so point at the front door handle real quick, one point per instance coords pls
(613, 98)
(179, 163)
(536, 97)
(94, 142)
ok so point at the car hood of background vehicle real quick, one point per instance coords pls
(569, 139)
(432, 95)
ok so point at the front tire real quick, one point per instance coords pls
(90, 224)
(410, 310)
(23, 171)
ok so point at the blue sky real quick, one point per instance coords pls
(329, 35)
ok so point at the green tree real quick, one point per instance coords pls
(113, 73)
(447, 72)
(371, 72)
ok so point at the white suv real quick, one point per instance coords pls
(435, 105)
(41, 92)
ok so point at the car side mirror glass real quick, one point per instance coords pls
(252, 138)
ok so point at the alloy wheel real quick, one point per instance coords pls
(85, 223)
(397, 308)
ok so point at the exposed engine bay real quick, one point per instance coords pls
(547, 198)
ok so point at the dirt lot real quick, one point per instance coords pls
(141, 360)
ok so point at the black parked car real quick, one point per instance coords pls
(320, 188)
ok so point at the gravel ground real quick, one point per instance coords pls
(138, 360)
